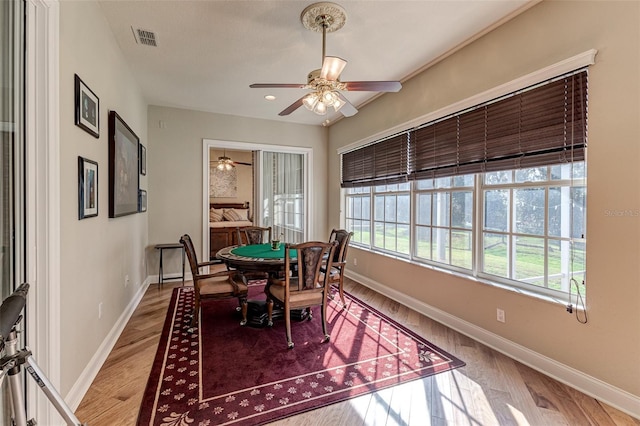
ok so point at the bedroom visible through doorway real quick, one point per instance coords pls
(272, 179)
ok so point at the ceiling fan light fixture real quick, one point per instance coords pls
(320, 108)
(329, 97)
(320, 101)
(310, 101)
(224, 163)
(338, 103)
(224, 166)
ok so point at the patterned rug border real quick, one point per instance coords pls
(449, 363)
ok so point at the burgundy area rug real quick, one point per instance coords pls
(222, 373)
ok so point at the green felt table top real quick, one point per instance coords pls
(262, 251)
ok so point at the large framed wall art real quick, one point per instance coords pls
(123, 167)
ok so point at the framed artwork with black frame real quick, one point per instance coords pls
(87, 188)
(143, 160)
(124, 179)
(87, 108)
(142, 200)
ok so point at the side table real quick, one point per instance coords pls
(169, 246)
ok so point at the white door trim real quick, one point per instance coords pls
(207, 144)
(42, 186)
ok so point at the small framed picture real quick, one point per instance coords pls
(143, 160)
(87, 108)
(142, 200)
(87, 188)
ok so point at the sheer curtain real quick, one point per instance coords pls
(283, 197)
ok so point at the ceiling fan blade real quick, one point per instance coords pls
(347, 109)
(332, 67)
(242, 164)
(294, 106)
(373, 86)
(277, 85)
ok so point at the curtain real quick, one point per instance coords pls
(283, 197)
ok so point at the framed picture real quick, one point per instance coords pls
(87, 188)
(142, 200)
(143, 160)
(87, 108)
(123, 167)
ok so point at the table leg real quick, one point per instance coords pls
(182, 266)
(160, 270)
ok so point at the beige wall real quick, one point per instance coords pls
(175, 157)
(608, 346)
(96, 253)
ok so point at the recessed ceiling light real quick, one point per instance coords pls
(270, 97)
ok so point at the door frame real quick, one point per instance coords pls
(207, 144)
(42, 175)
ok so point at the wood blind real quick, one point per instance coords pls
(538, 126)
(381, 163)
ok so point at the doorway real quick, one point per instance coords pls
(280, 187)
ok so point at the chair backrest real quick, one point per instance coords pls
(342, 236)
(254, 235)
(311, 256)
(185, 240)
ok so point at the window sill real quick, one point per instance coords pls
(558, 301)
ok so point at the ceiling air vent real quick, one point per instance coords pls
(145, 37)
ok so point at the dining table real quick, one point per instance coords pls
(259, 258)
(255, 257)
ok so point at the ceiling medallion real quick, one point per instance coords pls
(332, 15)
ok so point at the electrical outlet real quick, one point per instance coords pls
(126, 280)
(355, 262)
(99, 310)
(500, 315)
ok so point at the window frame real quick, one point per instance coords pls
(478, 231)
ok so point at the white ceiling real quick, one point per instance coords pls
(210, 51)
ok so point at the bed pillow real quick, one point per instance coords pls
(243, 213)
(236, 215)
(215, 215)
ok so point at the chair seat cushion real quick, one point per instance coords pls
(303, 298)
(220, 286)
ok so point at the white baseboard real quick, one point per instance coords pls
(618, 398)
(79, 389)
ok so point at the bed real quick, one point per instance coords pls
(224, 219)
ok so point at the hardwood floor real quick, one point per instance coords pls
(491, 389)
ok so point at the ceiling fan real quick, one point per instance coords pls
(226, 163)
(324, 83)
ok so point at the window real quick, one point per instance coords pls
(496, 191)
(444, 219)
(391, 213)
(533, 227)
(532, 232)
(358, 214)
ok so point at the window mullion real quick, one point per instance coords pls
(477, 232)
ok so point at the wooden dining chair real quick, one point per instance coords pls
(254, 235)
(304, 286)
(221, 284)
(336, 270)
(249, 235)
